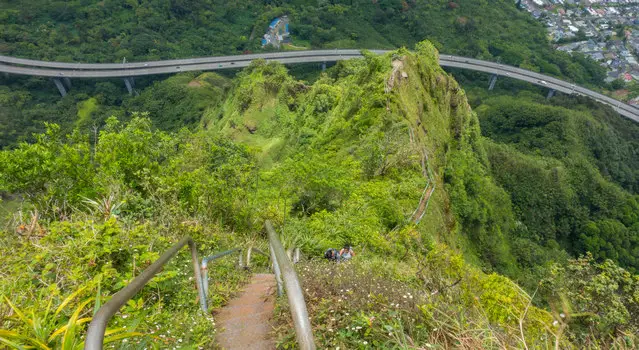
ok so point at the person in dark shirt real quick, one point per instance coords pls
(331, 254)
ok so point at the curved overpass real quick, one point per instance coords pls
(21, 66)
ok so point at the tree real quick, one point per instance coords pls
(594, 295)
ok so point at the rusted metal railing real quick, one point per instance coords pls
(95, 334)
(285, 272)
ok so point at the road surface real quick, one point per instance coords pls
(21, 66)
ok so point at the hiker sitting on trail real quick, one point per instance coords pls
(331, 254)
(346, 253)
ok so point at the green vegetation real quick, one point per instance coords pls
(449, 209)
(160, 29)
(93, 218)
(45, 335)
(571, 177)
(442, 302)
(113, 30)
(180, 101)
(345, 159)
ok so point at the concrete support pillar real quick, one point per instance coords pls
(551, 93)
(129, 85)
(323, 66)
(60, 86)
(493, 81)
(67, 82)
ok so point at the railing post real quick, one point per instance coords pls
(97, 327)
(248, 257)
(296, 255)
(204, 272)
(303, 329)
(205, 276)
(289, 253)
(276, 270)
(198, 276)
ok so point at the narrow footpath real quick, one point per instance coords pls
(245, 322)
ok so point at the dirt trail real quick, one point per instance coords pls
(245, 322)
(398, 65)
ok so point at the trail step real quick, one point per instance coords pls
(244, 323)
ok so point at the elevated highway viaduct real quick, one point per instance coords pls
(62, 72)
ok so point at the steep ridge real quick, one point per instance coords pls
(383, 153)
(407, 124)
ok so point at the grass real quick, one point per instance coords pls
(85, 109)
(376, 302)
(296, 46)
(7, 208)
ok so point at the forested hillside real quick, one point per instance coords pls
(511, 224)
(110, 31)
(383, 153)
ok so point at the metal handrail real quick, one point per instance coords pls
(205, 263)
(205, 275)
(95, 334)
(283, 265)
(285, 275)
(260, 252)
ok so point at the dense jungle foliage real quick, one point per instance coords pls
(113, 30)
(110, 30)
(383, 153)
(448, 208)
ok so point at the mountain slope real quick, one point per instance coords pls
(383, 153)
(401, 118)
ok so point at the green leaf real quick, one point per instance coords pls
(16, 336)
(65, 327)
(122, 336)
(69, 335)
(19, 313)
(11, 344)
(68, 300)
(98, 299)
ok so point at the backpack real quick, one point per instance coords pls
(331, 254)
